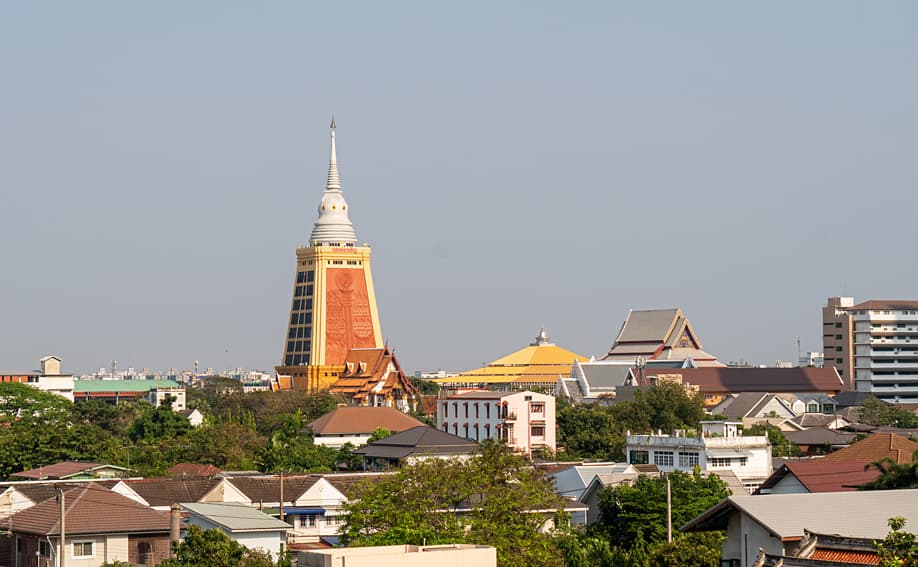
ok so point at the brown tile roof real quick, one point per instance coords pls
(57, 470)
(885, 305)
(193, 470)
(735, 380)
(819, 475)
(39, 492)
(90, 509)
(351, 484)
(355, 420)
(168, 491)
(875, 448)
(366, 368)
(267, 488)
(842, 557)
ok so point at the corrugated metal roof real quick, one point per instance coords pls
(862, 514)
(236, 517)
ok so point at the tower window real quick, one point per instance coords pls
(292, 333)
(307, 304)
(300, 277)
(310, 276)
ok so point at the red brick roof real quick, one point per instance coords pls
(732, 380)
(90, 509)
(822, 476)
(875, 448)
(362, 420)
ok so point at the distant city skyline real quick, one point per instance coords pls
(512, 167)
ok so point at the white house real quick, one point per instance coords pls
(721, 446)
(525, 420)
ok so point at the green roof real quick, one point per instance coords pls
(235, 517)
(81, 386)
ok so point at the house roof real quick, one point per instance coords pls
(374, 370)
(714, 379)
(41, 491)
(603, 375)
(877, 447)
(857, 514)
(819, 436)
(852, 398)
(349, 484)
(819, 475)
(884, 305)
(64, 470)
(267, 488)
(90, 509)
(362, 420)
(193, 470)
(169, 491)
(658, 334)
(235, 517)
(421, 440)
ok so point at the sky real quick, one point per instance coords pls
(512, 164)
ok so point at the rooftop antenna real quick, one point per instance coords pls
(798, 350)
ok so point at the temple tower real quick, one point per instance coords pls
(333, 308)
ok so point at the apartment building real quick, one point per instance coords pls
(874, 346)
(525, 420)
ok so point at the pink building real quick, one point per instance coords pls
(525, 420)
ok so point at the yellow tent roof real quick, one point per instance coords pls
(542, 362)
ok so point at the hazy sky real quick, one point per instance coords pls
(512, 164)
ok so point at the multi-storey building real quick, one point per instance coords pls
(333, 308)
(49, 378)
(874, 346)
(525, 420)
(720, 447)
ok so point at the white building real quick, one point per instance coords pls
(242, 523)
(720, 447)
(525, 420)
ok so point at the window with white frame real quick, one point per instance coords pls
(688, 458)
(82, 548)
(663, 458)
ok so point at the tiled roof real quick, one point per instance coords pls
(39, 492)
(91, 509)
(61, 470)
(372, 369)
(193, 470)
(877, 447)
(168, 491)
(819, 436)
(267, 488)
(362, 420)
(422, 440)
(819, 475)
(845, 557)
(885, 305)
(350, 484)
(735, 380)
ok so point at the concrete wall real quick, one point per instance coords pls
(401, 556)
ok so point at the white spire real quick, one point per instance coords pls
(333, 225)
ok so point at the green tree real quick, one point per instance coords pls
(159, 423)
(213, 548)
(628, 513)
(484, 500)
(380, 433)
(877, 412)
(425, 387)
(892, 475)
(780, 445)
(899, 548)
(697, 549)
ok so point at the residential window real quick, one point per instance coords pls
(44, 548)
(476, 410)
(329, 520)
(663, 458)
(637, 457)
(487, 411)
(838, 337)
(720, 462)
(838, 325)
(82, 549)
(538, 408)
(688, 459)
(308, 521)
(445, 410)
(538, 431)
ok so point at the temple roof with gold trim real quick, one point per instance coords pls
(541, 361)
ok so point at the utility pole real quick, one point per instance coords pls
(669, 511)
(62, 553)
(282, 497)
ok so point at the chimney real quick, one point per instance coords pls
(175, 526)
